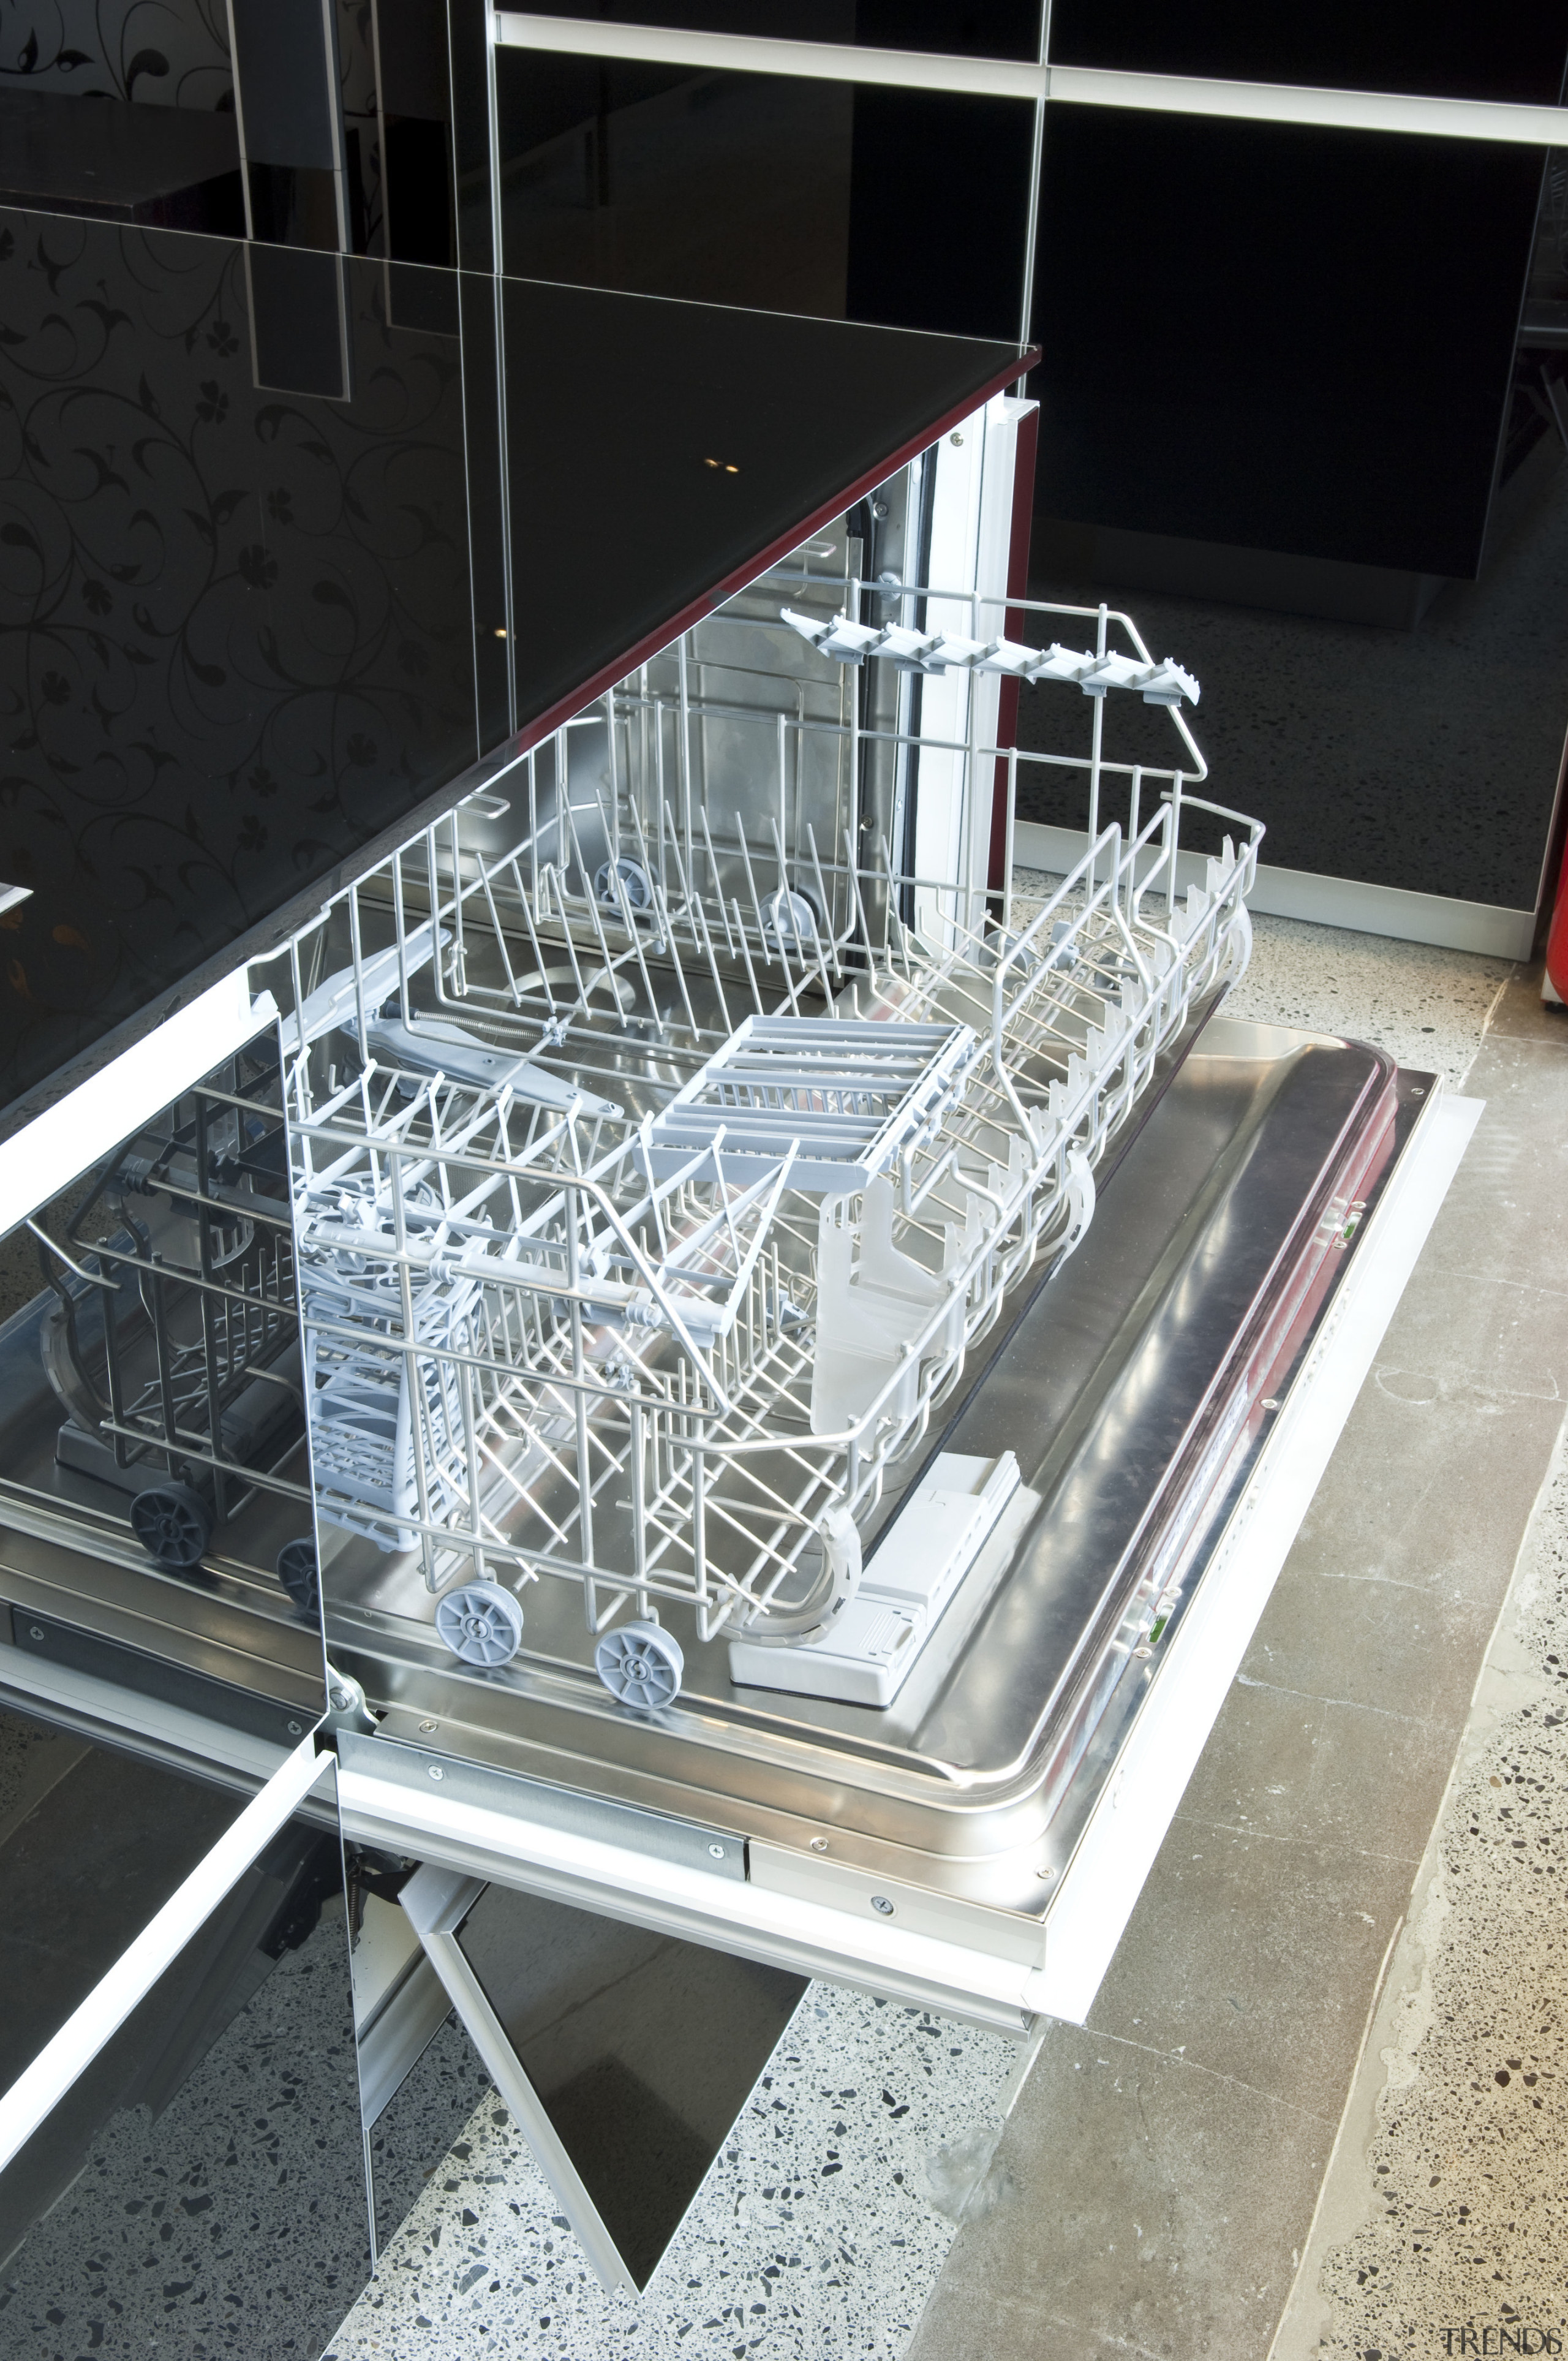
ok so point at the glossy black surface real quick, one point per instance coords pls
(200, 2187)
(1327, 371)
(777, 191)
(176, 167)
(1425, 758)
(641, 2049)
(92, 1845)
(967, 28)
(1445, 49)
(246, 629)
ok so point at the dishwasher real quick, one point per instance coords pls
(774, 1366)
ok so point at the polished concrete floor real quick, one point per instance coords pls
(1156, 2184)
(1162, 2170)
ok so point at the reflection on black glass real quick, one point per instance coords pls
(93, 1845)
(642, 2049)
(246, 628)
(1447, 49)
(238, 639)
(202, 2186)
(176, 167)
(968, 28)
(1268, 445)
(773, 191)
(1327, 279)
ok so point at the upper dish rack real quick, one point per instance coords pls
(663, 1146)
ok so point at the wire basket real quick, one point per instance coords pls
(659, 1168)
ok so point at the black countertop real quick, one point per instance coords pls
(98, 156)
(258, 612)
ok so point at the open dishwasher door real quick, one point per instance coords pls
(792, 1338)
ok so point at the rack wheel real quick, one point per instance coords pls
(173, 1524)
(640, 1664)
(633, 882)
(790, 917)
(481, 1624)
(300, 1575)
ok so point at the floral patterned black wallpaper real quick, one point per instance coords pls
(162, 52)
(236, 630)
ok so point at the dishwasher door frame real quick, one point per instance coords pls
(993, 1969)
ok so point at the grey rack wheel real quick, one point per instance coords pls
(613, 878)
(173, 1524)
(790, 917)
(640, 1664)
(481, 1624)
(298, 1574)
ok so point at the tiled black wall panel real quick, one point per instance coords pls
(776, 192)
(1278, 338)
(969, 28)
(1444, 49)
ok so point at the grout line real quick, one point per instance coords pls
(1105, 2339)
(1311, 1697)
(1174, 2058)
(1393, 1582)
(1340, 2132)
(1488, 1278)
(1491, 1007)
(1432, 1852)
(1283, 1837)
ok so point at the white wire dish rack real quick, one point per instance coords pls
(663, 1147)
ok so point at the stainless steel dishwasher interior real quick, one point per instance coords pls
(1132, 1387)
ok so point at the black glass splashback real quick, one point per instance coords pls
(253, 603)
(1441, 49)
(1305, 388)
(200, 2189)
(784, 192)
(960, 28)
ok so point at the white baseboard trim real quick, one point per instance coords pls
(1366, 909)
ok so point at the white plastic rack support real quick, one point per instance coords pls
(851, 1094)
(850, 643)
(866, 1652)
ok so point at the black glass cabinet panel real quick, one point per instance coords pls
(1441, 49)
(641, 2049)
(93, 1844)
(781, 192)
(176, 167)
(248, 614)
(200, 2187)
(1323, 367)
(964, 29)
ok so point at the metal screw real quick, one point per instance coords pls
(437, 1772)
(880, 1902)
(35, 1631)
(294, 1729)
(429, 1725)
(717, 1852)
(1269, 1401)
(818, 1844)
(955, 438)
(1045, 1873)
(879, 507)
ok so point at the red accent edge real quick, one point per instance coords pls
(534, 733)
(1017, 587)
(1557, 939)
